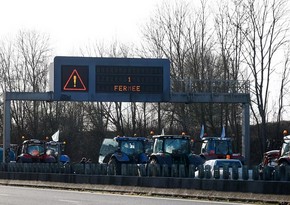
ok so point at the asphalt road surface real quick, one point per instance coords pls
(13, 195)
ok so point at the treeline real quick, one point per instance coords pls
(236, 41)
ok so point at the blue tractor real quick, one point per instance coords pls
(123, 150)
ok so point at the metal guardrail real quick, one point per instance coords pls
(152, 170)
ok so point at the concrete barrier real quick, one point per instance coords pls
(249, 186)
(245, 172)
(124, 169)
(151, 170)
(256, 173)
(216, 172)
(287, 173)
(191, 171)
(267, 173)
(235, 173)
(174, 170)
(133, 170)
(111, 169)
(151, 175)
(181, 171)
(165, 170)
(200, 171)
(226, 172)
(207, 172)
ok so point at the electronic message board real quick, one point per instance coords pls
(111, 79)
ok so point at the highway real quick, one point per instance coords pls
(13, 195)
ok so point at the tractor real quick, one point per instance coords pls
(123, 150)
(33, 151)
(274, 160)
(277, 157)
(218, 148)
(174, 149)
(56, 150)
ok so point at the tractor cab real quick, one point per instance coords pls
(33, 151)
(284, 158)
(218, 148)
(56, 149)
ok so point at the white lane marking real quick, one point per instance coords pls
(69, 201)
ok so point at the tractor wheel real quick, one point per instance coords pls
(154, 168)
(19, 160)
(116, 166)
(153, 161)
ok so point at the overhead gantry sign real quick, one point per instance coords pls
(111, 79)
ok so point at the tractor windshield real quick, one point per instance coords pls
(35, 149)
(176, 145)
(217, 147)
(223, 147)
(132, 147)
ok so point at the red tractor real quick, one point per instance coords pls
(274, 163)
(33, 151)
(218, 148)
(278, 157)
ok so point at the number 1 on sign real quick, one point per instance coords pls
(129, 79)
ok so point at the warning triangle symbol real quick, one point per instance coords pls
(74, 82)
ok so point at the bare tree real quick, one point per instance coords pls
(24, 67)
(166, 36)
(34, 54)
(285, 80)
(6, 61)
(228, 20)
(283, 92)
(184, 36)
(265, 34)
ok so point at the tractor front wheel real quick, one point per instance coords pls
(116, 166)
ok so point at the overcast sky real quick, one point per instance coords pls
(73, 23)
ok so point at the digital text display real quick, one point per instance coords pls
(129, 79)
